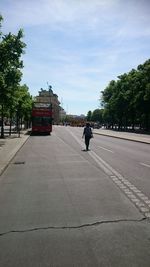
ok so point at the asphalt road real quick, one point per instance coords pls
(63, 206)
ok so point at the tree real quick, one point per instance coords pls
(143, 95)
(97, 115)
(89, 115)
(11, 49)
(108, 100)
(127, 100)
(23, 105)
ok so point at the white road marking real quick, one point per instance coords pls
(73, 161)
(106, 149)
(142, 202)
(146, 165)
(102, 166)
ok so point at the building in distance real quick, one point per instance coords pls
(48, 97)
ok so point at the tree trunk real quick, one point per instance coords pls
(2, 127)
(10, 124)
(147, 122)
(133, 122)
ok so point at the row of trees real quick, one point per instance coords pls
(15, 99)
(95, 116)
(126, 101)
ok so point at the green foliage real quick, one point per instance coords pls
(24, 102)
(97, 115)
(11, 93)
(126, 101)
(89, 115)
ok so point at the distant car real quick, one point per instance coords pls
(97, 126)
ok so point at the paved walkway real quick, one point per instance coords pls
(143, 138)
(10, 145)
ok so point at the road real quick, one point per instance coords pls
(63, 206)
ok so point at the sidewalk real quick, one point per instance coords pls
(9, 147)
(142, 138)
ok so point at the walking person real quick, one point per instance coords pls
(87, 134)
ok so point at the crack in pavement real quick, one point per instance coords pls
(72, 227)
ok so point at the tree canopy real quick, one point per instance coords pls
(126, 101)
(11, 49)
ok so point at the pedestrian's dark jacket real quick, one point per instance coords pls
(87, 132)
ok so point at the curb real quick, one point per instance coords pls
(124, 138)
(4, 166)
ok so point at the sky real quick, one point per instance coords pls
(78, 46)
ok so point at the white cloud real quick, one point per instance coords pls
(78, 46)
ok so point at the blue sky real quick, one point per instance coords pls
(78, 46)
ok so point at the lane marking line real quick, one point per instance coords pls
(102, 166)
(73, 161)
(127, 188)
(145, 165)
(106, 149)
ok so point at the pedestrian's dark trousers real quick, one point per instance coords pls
(87, 141)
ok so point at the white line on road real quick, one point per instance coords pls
(74, 161)
(146, 165)
(106, 149)
(100, 163)
(136, 196)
